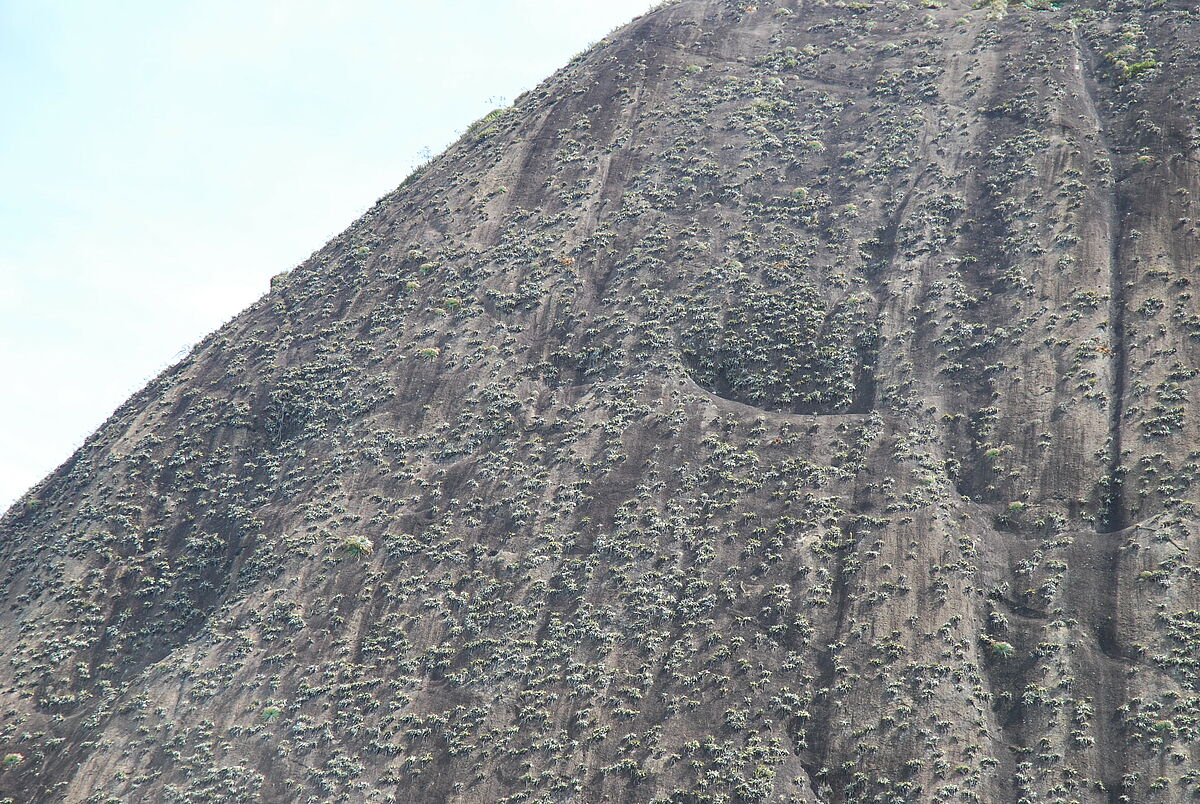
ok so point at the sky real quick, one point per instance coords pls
(161, 160)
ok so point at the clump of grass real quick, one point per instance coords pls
(357, 545)
(488, 125)
(1129, 62)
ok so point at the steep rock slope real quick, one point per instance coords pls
(787, 401)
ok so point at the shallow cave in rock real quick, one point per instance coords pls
(786, 350)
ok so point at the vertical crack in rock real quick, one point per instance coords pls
(823, 769)
(1103, 550)
(1111, 516)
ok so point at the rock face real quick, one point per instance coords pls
(787, 401)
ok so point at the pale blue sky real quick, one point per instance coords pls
(161, 159)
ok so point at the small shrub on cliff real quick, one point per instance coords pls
(1002, 650)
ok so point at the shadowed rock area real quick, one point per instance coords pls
(786, 402)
